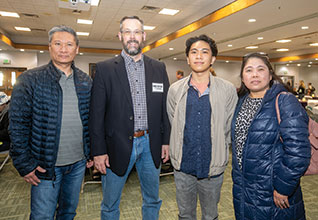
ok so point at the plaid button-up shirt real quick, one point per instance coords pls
(137, 83)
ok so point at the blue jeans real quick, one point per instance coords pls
(62, 192)
(149, 180)
(188, 188)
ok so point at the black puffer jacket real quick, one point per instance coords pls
(35, 118)
(270, 164)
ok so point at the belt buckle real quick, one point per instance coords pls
(140, 133)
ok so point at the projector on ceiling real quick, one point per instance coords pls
(80, 5)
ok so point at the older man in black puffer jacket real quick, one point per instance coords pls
(49, 128)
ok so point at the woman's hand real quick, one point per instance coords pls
(280, 200)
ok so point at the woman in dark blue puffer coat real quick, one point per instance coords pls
(266, 169)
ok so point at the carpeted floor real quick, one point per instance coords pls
(15, 198)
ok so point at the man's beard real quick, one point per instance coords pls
(133, 51)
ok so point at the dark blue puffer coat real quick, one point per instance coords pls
(268, 163)
(35, 118)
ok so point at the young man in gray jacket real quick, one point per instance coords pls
(200, 109)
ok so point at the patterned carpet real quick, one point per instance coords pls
(15, 198)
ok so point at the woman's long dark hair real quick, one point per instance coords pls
(264, 57)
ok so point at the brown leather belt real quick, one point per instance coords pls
(138, 134)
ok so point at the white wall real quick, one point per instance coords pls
(173, 65)
(308, 74)
(283, 70)
(81, 62)
(229, 71)
(19, 59)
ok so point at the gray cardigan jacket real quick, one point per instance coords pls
(223, 99)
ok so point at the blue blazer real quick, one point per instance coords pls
(111, 119)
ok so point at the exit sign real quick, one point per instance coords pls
(6, 61)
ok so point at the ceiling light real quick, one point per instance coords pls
(282, 49)
(22, 28)
(314, 44)
(310, 62)
(166, 11)
(298, 64)
(309, 65)
(174, 58)
(41, 51)
(227, 61)
(81, 54)
(150, 28)
(251, 47)
(251, 20)
(290, 61)
(21, 50)
(0, 49)
(171, 48)
(287, 64)
(304, 27)
(94, 2)
(9, 14)
(116, 55)
(316, 58)
(230, 45)
(84, 21)
(283, 41)
(260, 38)
(82, 33)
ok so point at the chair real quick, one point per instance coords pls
(88, 170)
(166, 169)
(5, 160)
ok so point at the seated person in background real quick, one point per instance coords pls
(310, 90)
(179, 74)
(4, 122)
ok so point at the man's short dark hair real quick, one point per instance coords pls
(180, 72)
(205, 38)
(130, 17)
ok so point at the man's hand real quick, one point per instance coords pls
(280, 200)
(89, 163)
(101, 162)
(32, 178)
(165, 153)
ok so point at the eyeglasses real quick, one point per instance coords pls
(129, 32)
(256, 54)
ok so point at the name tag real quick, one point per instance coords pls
(157, 87)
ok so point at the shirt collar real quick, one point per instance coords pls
(191, 85)
(63, 74)
(129, 60)
(206, 92)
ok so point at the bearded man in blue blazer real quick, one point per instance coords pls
(128, 121)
